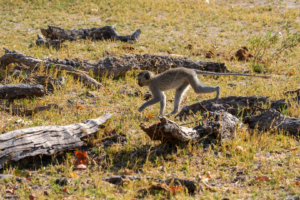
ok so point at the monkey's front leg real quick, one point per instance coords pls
(149, 103)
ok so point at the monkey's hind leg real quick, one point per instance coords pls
(199, 88)
(178, 97)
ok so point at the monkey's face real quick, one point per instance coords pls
(143, 78)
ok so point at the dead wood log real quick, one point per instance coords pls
(272, 119)
(49, 43)
(104, 33)
(33, 63)
(220, 125)
(235, 105)
(21, 91)
(119, 66)
(45, 140)
(168, 131)
(26, 111)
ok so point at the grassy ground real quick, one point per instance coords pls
(170, 25)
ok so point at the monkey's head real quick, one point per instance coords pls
(144, 78)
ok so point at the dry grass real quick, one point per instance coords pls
(166, 25)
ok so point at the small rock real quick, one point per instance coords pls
(228, 154)
(267, 154)
(239, 149)
(62, 181)
(162, 169)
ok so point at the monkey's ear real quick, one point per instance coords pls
(147, 76)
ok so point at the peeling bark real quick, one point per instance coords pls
(104, 33)
(45, 140)
(34, 63)
(21, 91)
(272, 119)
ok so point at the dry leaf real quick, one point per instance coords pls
(81, 160)
(175, 189)
(65, 189)
(31, 196)
(297, 183)
(73, 175)
(149, 116)
(262, 178)
(79, 107)
(292, 73)
(294, 149)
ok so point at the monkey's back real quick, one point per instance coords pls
(173, 78)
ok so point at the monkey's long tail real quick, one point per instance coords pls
(229, 74)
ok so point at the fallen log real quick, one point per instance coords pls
(34, 63)
(45, 140)
(20, 91)
(235, 105)
(104, 33)
(49, 43)
(26, 111)
(272, 119)
(218, 125)
(119, 66)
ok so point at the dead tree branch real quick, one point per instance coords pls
(104, 33)
(34, 63)
(21, 91)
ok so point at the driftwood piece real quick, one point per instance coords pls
(271, 119)
(33, 63)
(232, 104)
(49, 43)
(45, 140)
(119, 66)
(26, 111)
(21, 91)
(219, 125)
(104, 33)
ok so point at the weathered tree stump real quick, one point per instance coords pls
(272, 119)
(236, 105)
(21, 91)
(219, 125)
(104, 33)
(45, 140)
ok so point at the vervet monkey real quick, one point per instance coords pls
(179, 79)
